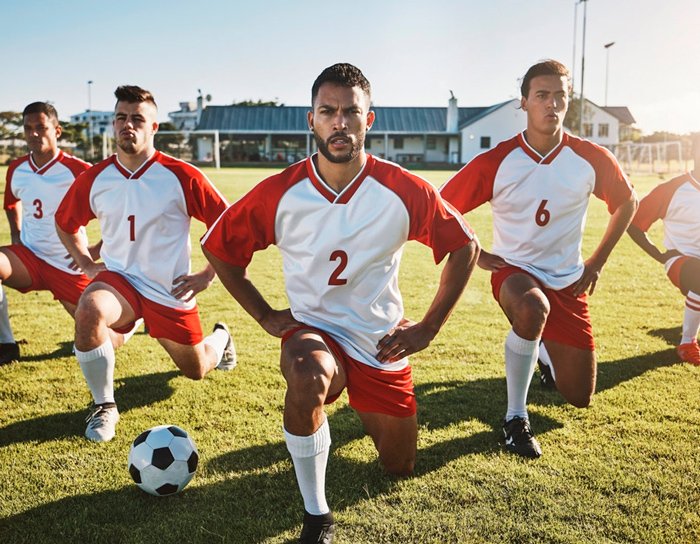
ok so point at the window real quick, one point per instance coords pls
(431, 142)
(587, 130)
(603, 130)
(398, 142)
(485, 142)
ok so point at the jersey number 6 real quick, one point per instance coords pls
(335, 279)
(543, 215)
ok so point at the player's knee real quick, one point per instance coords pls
(532, 311)
(399, 467)
(197, 373)
(87, 315)
(578, 399)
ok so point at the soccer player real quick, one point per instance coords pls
(677, 204)
(340, 219)
(143, 200)
(35, 184)
(538, 184)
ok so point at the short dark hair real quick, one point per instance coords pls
(134, 94)
(547, 67)
(343, 74)
(41, 107)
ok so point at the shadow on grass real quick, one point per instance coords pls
(64, 349)
(133, 392)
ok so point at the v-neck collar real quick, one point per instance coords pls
(136, 174)
(694, 181)
(535, 155)
(344, 196)
(48, 165)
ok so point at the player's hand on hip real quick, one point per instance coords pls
(279, 322)
(588, 280)
(670, 254)
(187, 286)
(92, 269)
(490, 262)
(406, 339)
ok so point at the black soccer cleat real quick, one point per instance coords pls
(317, 529)
(546, 378)
(8, 353)
(520, 438)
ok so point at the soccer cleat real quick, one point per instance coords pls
(317, 529)
(690, 353)
(228, 359)
(8, 353)
(546, 378)
(102, 421)
(520, 438)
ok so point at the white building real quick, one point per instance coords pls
(99, 122)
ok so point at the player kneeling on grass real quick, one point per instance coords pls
(37, 260)
(144, 201)
(677, 204)
(340, 219)
(539, 183)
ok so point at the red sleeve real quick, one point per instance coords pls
(433, 222)
(655, 205)
(74, 164)
(611, 183)
(74, 211)
(248, 225)
(10, 200)
(473, 184)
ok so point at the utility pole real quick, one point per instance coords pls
(92, 145)
(607, 65)
(583, 69)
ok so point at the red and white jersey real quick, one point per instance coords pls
(539, 203)
(144, 218)
(677, 203)
(341, 252)
(40, 191)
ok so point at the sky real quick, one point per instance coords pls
(413, 52)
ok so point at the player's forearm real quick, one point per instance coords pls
(619, 221)
(15, 222)
(236, 282)
(77, 247)
(642, 240)
(455, 275)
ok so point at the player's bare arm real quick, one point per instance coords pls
(14, 218)
(642, 240)
(490, 262)
(236, 281)
(409, 337)
(187, 286)
(94, 251)
(593, 266)
(80, 253)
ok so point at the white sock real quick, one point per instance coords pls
(545, 359)
(521, 358)
(137, 324)
(310, 457)
(691, 318)
(217, 340)
(6, 336)
(98, 368)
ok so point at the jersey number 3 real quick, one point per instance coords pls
(38, 211)
(342, 257)
(543, 215)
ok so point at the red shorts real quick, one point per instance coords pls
(370, 389)
(63, 286)
(569, 321)
(674, 272)
(181, 326)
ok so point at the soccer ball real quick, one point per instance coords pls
(162, 460)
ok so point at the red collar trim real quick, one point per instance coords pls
(124, 171)
(48, 165)
(535, 156)
(346, 194)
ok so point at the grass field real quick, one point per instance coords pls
(627, 469)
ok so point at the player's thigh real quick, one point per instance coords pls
(690, 276)
(395, 439)
(13, 273)
(102, 302)
(575, 371)
(193, 361)
(524, 303)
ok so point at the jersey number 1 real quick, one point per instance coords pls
(335, 279)
(132, 228)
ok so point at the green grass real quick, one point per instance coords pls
(625, 470)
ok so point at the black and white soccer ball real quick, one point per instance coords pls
(162, 460)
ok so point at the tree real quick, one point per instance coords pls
(10, 125)
(250, 103)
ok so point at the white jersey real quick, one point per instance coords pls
(144, 218)
(341, 252)
(40, 190)
(677, 203)
(539, 203)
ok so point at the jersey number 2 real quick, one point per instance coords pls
(132, 228)
(335, 279)
(543, 215)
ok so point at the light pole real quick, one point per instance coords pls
(92, 145)
(607, 65)
(583, 68)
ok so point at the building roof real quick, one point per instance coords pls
(622, 113)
